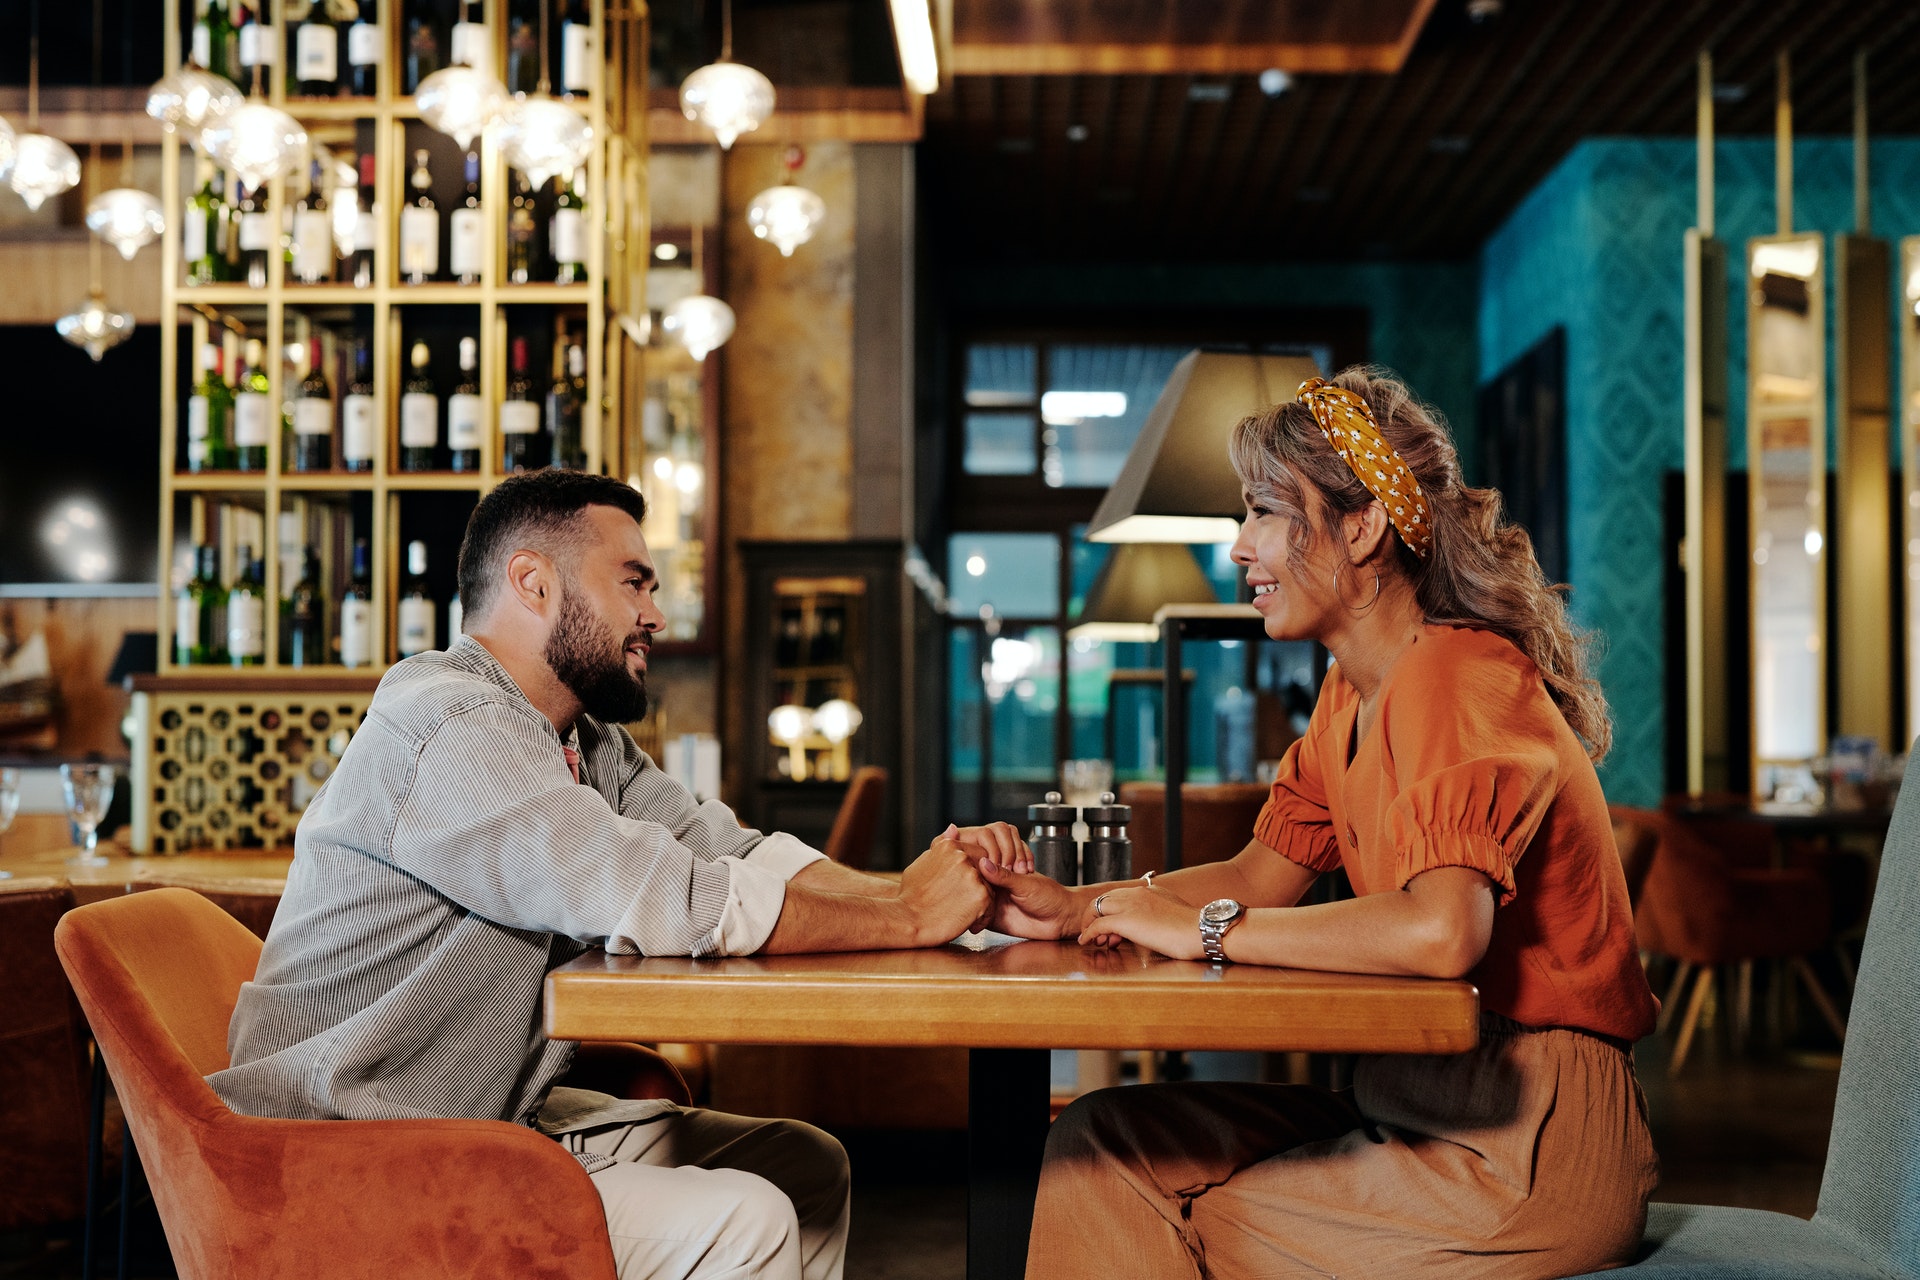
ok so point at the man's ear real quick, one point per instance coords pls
(1368, 532)
(532, 582)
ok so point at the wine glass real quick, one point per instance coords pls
(89, 792)
(9, 804)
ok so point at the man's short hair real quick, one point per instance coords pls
(540, 511)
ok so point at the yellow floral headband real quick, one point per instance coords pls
(1346, 420)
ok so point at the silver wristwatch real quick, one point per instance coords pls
(1216, 918)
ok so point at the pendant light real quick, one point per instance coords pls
(126, 217)
(702, 323)
(254, 141)
(787, 215)
(189, 96)
(43, 165)
(727, 97)
(462, 101)
(92, 325)
(540, 135)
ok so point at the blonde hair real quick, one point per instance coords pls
(1481, 571)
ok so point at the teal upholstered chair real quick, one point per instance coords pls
(1868, 1223)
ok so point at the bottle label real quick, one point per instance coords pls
(419, 241)
(197, 418)
(312, 245)
(256, 231)
(464, 414)
(256, 45)
(416, 626)
(470, 46)
(569, 236)
(202, 45)
(466, 242)
(317, 54)
(419, 420)
(576, 57)
(313, 416)
(519, 417)
(365, 229)
(356, 633)
(186, 626)
(246, 625)
(456, 619)
(363, 44)
(193, 234)
(358, 432)
(250, 417)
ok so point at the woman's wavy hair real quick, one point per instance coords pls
(1481, 571)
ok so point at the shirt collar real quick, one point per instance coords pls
(470, 655)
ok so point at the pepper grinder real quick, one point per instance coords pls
(1109, 853)
(1054, 851)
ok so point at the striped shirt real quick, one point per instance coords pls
(448, 864)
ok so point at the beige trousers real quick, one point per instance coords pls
(1526, 1158)
(702, 1195)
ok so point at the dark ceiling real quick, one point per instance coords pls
(1422, 164)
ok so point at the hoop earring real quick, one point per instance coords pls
(1371, 600)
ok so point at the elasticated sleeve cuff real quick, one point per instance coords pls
(1477, 850)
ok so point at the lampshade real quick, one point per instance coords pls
(7, 148)
(786, 215)
(126, 218)
(542, 136)
(43, 166)
(1177, 484)
(727, 97)
(461, 102)
(187, 98)
(256, 142)
(1138, 579)
(702, 323)
(94, 328)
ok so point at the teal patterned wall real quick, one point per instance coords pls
(1596, 248)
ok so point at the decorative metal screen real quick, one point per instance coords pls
(234, 770)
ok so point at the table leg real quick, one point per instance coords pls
(1007, 1096)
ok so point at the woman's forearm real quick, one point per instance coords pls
(1438, 927)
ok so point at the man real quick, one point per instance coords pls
(491, 821)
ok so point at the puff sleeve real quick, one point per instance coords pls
(1474, 746)
(1295, 821)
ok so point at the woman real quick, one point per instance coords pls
(1448, 768)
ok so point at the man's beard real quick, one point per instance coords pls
(593, 667)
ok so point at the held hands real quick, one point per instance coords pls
(943, 891)
(1025, 904)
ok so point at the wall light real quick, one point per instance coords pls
(913, 35)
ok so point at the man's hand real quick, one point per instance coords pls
(1029, 905)
(999, 841)
(943, 891)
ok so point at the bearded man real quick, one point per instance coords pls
(490, 821)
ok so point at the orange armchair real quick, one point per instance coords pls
(240, 1197)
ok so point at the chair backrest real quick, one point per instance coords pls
(851, 840)
(43, 1063)
(1216, 821)
(252, 902)
(1636, 834)
(1870, 1196)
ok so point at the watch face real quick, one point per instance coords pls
(1220, 910)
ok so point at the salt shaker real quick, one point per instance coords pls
(1108, 854)
(1054, 851)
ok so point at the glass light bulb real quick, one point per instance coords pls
(255, 141)
(189, 98)
(8, 145)
(93, 327)
(126, 218)
(837, 720)
(788, 724)
(42, 166)
(461, 102)
(702, 323)
(786, 215)
(542, 137)
(729, 98)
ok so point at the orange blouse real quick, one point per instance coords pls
(1469, 763)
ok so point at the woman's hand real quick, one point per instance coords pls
(1150, 918)
(1029, 905)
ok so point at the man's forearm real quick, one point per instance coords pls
(813, 920)
(828, 876)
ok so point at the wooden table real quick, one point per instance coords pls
(1008, 1002)
(255, 869)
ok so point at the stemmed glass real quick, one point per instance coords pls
(89, 792)
(9, 804)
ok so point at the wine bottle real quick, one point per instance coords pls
(256, 236)
(252, 410)
(200, 231)
(416, 604)
(519, 416)
(363, 50)
(564, 399)
(359, 414)
(247, 613)
(423, 48)
(312, 232)
(465, 412)
(366, 228)
(456, 619)
(316, 53)
(214, 41)
(356, 612)
(254, 41)
(576, 50)
(468, 242)
(469, 46)
(567, 232)
(520, 227)
(307, 616)
(196, 610)
(313, 416)
(419, 415)
(523, 56)
(209, 416)
(420, 227)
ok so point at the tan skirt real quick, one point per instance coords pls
(1523, 1159)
